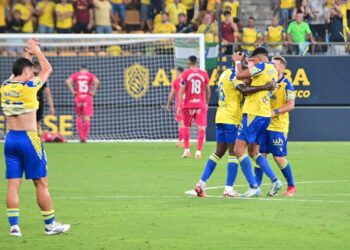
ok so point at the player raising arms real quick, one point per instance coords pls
(256, 118)
(193, 104)
(228, 118)
(275, 140)
(86, 84)
(23, 149)
(174, 94)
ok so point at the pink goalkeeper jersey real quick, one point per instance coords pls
(83, 82)
(195, 81)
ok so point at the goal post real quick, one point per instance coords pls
(135, 70)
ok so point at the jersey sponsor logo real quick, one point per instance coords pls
(136, 81)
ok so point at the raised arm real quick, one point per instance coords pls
(244, 89)
(33, 46)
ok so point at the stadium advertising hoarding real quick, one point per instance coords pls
(140, 89)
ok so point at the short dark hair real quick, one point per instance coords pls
(192, 59)
(226, 12)
(260, 51)
(252, 18)
(180, 69)
(20, 64)
(83, 66)
(236, 20)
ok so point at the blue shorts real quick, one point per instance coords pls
(226, 132)
(274, 143)
(253, 131)
(24, 153)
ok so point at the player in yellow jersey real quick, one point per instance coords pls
(24, 152)
(275, 138)
(228, 118)
(256, 118)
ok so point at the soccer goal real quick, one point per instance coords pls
(135, 70)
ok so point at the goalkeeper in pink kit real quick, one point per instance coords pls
(193, 104)
(85, 87)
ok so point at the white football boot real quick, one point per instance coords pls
(56, 228)
(15, 231)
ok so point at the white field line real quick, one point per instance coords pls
(113, 197)
(267, 184)
(192, 195)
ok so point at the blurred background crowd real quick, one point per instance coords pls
(295, 26)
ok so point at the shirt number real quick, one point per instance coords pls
(196, 86)
(83, 86)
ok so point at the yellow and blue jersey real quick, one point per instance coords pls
(230, 100)
(283, 93)
(19, 97)
(258, 104)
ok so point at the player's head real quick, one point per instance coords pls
(23, 68)
(192, 61)
(251, 22)
(280, 63)
(244, 62)
(83, 68)
(260, 55)
(179, 70)
(37, 68)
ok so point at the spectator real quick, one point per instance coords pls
(84, 16)
(174, 9)
(231, 5)
(317, 21)
(208, 28)
(212, 5)
(297, 32)
(184, 26)
(118, 7)
(189, 4)
(334, 19)
(238, 22)
(26, 10)
(339, 5)
(145, 14)
(64, 14)
(302, 6)
(46, 12)
(348, 12)
(275, 33)
(286, 12)
(103, 15)
(229, 32)
(164, 26)
(3, 11)
(251, 36)
(15, 25)
(157, 6)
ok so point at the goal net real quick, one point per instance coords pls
(136, 72)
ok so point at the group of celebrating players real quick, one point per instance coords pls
(252, 116)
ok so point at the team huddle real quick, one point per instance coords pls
(252, 116)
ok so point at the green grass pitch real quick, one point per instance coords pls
(131, 196)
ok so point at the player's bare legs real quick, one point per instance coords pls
(43, 196)
(12, 203)
(200, 141)
(210, 166)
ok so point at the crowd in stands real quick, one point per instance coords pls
(295, 25)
